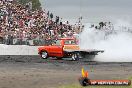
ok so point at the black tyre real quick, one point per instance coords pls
(75, 57)
(44, 55)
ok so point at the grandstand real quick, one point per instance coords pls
(20, 25)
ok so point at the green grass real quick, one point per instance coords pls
(79, 86)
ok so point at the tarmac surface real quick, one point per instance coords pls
(34, 72)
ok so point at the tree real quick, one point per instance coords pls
(35, 3)
(23, 2)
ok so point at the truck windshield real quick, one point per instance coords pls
(56, 42)
(69, 42)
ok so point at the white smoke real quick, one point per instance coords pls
(117, 46)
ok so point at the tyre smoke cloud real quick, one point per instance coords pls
(117, 43)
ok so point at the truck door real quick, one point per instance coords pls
(56, 49)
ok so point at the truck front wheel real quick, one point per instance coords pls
(44, 54)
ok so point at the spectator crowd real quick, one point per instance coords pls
(20, 21)
(103, 26)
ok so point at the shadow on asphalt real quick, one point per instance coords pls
(37, 59)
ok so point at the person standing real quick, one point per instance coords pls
(51, 16)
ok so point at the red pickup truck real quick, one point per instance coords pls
(66, 48)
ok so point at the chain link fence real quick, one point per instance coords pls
(25, 41)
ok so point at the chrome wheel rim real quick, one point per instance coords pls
(74, 56)
(44, 54)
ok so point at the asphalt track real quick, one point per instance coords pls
(54, 64)
(34, 72)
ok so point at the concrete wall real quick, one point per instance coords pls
(18, 50)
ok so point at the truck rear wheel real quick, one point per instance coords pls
(75, 57)
(44, 55)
